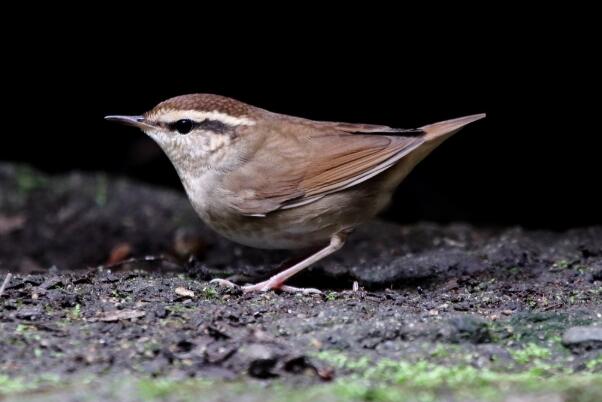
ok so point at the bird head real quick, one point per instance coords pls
(193, 129)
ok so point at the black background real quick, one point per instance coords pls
(534, 161)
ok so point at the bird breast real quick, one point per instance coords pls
(296, 228)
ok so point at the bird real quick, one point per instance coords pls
(275, 181)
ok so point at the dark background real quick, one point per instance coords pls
(534, 161)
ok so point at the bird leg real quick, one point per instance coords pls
(289, 262)
(277, 281)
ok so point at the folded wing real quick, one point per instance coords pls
(291, 171)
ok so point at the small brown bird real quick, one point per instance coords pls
(274, 181)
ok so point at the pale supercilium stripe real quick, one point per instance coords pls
(196, 115)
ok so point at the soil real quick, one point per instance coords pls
(110, 282)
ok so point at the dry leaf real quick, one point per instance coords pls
(119, 253)
(184, 292)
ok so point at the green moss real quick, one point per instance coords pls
(17, 385)
(412, 382)
(536, 326)
(594, 364)
(561, 264)
(12, 385)
(28, 179)
(530, 353)
(180, 309)
(102, 190)
(209, 292)
(150, 389)
(23, 329)
(444, 352)
(357, 379)
(331, 296)
(406, 381)
(440, 351)
(388, 380)
(75, 313)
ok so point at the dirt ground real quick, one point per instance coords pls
(109, 300)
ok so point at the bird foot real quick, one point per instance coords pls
(265, 286)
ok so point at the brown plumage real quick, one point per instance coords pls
(207, 102)
(275, 181)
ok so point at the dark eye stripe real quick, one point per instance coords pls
(214, 126)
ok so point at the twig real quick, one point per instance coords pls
(5, 283)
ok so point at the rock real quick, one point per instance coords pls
(466, 329)
(495, 353)
(298, 365)
(29, 313)
(262, 368)
(118, 315)
(411, 267)
(262, 360)
(257, 351)
(580, 339)
(51, 282)
(181, 291)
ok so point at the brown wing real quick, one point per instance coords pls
(296, 169)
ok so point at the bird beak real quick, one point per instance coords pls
(136, 121)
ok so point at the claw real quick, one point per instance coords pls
(275, 285)
(305, 291)
(276, 282)
(264, 287)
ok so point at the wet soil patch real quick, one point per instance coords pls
(84, 300)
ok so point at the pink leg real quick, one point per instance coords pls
(277, 281)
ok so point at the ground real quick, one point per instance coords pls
(105, 302)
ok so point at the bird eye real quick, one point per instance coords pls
(184, 126)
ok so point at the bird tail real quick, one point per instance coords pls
(445, 128)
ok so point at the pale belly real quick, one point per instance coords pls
(306, 226)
